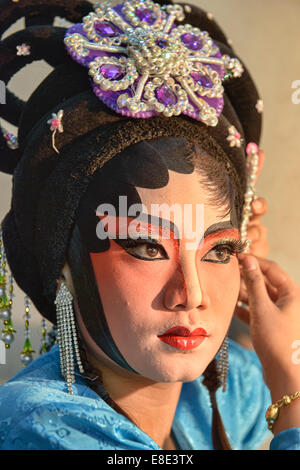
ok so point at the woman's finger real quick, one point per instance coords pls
(277, 277)
(254, 277)
(260, 248)
(242, 313)
(259, 207)
(243, 294)
(257, 233)
(253, 233)
(259, 300)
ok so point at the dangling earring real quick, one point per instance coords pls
(27, 352)
(223, 364)
(6, 299)
(67, 336)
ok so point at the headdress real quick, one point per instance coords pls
(76, 121)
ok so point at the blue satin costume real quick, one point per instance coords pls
(37, 413)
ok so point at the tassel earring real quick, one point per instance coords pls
(67, 336)
(6, 299)
(43, 349)
(223, 365)
(27, 353)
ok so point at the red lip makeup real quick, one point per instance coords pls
(181, 338)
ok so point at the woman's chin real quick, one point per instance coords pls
(180, 371)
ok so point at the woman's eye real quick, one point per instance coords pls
(219, 254)
(146, 251)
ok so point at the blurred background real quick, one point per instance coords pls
(266, 34)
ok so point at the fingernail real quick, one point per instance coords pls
(250, 264)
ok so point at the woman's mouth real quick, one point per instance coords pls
(181, 338)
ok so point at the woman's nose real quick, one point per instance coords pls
(185, 292)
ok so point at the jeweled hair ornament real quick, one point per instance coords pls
(56, 126)
(142, 64)
(11, 140)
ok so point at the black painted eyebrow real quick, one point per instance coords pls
(218, 227)
(212, 229)
(161, 223)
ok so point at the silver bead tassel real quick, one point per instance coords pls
(223, 364)
(67, 336)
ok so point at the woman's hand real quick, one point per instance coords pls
(257, 233)
(273, 298)
(274, 319)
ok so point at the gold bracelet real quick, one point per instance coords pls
(272, 412)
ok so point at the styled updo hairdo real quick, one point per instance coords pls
(48, 189)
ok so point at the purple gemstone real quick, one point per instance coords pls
(162, 43)
(111, 72)
(191, 41)
(106, 29)
(145, 14)
(205, 81)
(165, 96)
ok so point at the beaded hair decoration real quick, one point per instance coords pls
(143, 65)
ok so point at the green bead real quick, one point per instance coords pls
(27, 344)
(27, 348)
(8, 327)
(4, 301)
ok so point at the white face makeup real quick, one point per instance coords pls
(149, 288)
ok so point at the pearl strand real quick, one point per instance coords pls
(252, 164)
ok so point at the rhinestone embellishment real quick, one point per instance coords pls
(234, 137)
(23, 50)
(11, 140)
(142, 64)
